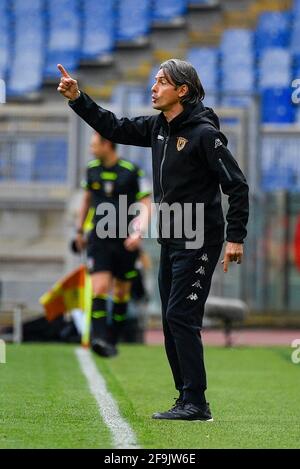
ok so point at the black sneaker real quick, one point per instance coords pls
(187, 411)
(179, 403)
(103, 348)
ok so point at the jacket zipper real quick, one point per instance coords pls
(161, 167)
(160, 180)
(225, 170)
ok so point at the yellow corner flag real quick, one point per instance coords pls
(74, 291)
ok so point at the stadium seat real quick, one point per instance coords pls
(133, 21)
(273, 30)
(237, 40)
(28, 58)
(237, 66)
(234, 100)
(296, 7)
(5, 39)
(98, 36)
(277, 106)
(168, 11)
(64, 35)
(275, 67)
(206, 62)
(203, 3)
(295, 38)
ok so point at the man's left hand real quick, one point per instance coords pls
(233, 253)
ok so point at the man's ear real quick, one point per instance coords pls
(184, 89)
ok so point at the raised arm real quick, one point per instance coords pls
(136, 131)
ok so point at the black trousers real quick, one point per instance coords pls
(184, 283)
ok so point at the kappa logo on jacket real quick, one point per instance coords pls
(181, 143)
(218, 143)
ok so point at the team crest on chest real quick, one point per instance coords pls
(108, 188)
(181, 143)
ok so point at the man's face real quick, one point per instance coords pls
(97, 146)
(164, 93)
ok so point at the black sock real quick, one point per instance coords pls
(99, 316)
(119, 310)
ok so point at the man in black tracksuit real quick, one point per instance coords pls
(190, 163)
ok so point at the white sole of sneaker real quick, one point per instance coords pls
(199, 420)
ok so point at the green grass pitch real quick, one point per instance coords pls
(45, 401)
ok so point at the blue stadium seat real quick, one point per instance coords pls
(64, 39)
(239, 40)
(296, 8)
(133, 21)
(295, 38)
(273, 30)
(275, 68)
(237, 65)
(205, 60)
(98, 36)
(203, 2)
(22, 7)
(69, 59)
(5, 40)
(237, 78)
(234, 100)
(167, 10)
(25, 74)
(276, 106)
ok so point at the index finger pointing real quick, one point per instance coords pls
(226, 261)
(63, 71)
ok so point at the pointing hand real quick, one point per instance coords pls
(68, 87)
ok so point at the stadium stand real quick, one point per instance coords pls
(262, 58)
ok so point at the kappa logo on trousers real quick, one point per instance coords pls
(192, 297)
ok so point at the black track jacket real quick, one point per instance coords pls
(190, 162)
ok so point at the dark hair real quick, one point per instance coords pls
(113, 144)
(183, 73)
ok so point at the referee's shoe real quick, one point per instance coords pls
(186, 411)
(103, 348)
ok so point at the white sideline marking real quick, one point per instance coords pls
(123, 435)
